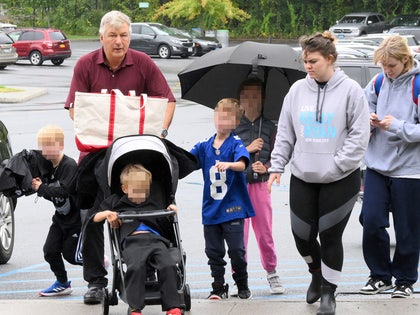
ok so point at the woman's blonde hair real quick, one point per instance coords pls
(134, 168)
(395, 47)
(50, 134)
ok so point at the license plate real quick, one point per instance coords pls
(6, 50)
(340, 36)
(62, 46)
(189, 49)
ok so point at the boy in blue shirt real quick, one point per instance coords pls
(226, 203)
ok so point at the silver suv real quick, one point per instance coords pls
(357, 24)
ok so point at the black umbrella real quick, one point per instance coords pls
(219, 74)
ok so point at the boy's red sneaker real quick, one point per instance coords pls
(174, 311)
(134, 311)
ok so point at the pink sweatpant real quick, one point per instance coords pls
(262, 224)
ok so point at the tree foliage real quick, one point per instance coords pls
(210, 14)
(243, 18)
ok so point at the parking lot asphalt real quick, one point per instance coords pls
(346, 303)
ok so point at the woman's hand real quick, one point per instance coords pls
(273, 177)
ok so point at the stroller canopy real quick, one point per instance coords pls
(148, 150)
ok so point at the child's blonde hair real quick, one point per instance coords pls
(230, 105)
(50, 134)
(134, 168)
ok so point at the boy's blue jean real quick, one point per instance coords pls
(215, 236)
(400, 197)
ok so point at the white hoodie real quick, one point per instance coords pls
(323, 132)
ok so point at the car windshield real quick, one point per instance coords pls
(163, 30)
(351, 19)
(405, 21)
(4, 39)
(57, 36)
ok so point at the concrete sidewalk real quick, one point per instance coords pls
(345, 306)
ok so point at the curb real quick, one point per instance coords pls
(25, 94)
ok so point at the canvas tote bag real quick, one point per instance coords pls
(101, 118)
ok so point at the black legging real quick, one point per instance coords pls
(322, 209)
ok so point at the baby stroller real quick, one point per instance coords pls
(153, 153)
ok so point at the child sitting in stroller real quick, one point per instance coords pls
(142, 243)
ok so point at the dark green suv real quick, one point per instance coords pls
(7, 204)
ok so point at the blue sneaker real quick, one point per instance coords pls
(56, 289)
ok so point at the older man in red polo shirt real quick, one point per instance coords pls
(113, 66)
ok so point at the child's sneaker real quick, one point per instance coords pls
(133, 311)
(174, 311)
(244, 292)
(220, 291)
(275, 283)
(56, 289)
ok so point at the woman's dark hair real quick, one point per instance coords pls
(324, 43)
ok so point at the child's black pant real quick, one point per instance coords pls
(61, 243)
(215, 236)
(148, 249)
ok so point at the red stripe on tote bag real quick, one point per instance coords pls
(111, 117)
(142, 115)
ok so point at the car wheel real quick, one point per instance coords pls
(184, 56)
(7, 228)
(164, 52)
(36, 58)
(2, 67)
(57, 61)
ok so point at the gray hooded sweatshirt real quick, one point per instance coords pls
(323, 132)
(396, 151)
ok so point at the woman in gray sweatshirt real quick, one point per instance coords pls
(323, 131)
(392, 182)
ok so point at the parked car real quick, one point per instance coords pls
(7, 205)
(406, 24)
(7, 27)
(356, 66)
(361, 70)
(40, 44)
(202, 44)
(357, 24)
(158, 39)
(376, 39)
(8, 55)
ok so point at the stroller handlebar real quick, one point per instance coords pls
(161, 213)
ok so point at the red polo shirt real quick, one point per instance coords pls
(137, 72)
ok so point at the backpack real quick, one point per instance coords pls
(415, 86)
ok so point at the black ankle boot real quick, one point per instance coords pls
(314, 291)
(327, 306)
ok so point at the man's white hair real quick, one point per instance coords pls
(114, 19)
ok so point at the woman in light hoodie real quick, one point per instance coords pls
(323, 131)
(392, 183)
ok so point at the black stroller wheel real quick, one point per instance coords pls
(187, 297)
(105, 302)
